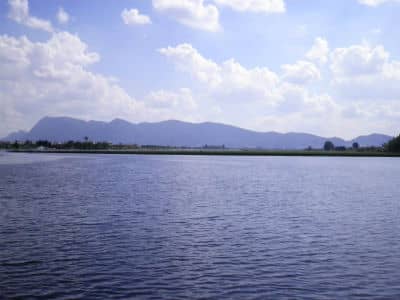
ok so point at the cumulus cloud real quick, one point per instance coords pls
(257, 6)
(302, 72)
(54, 78)
(242, 84)
(62, 16)
(228, 79)
(365, 73)
(19, 12)
(132, 16)
(51, 78)
(319, 51)
(382, 86)
(358, 60)
(188, 59)
(192, 13)
(260, 98)
(254, 90)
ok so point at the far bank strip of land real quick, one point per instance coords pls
(227, 152)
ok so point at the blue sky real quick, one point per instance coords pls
(325, 67)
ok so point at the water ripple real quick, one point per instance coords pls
(133, 227)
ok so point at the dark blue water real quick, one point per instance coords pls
(170, 227)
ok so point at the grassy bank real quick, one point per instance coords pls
(228, 152)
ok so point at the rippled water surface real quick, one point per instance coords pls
(171, 227)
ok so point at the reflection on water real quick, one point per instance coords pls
(156, 227)
(11, 158)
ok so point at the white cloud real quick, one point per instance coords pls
(192, 13)
(358, 60)
(302, 72)
(132, 16)
(19, 12)
(51, 78)
(260, 99)
(365, 73)
(188, 59)
(62, 16)
(297, 99)
(381, 86)
(54, 78)
(375, 3)
(241, 84)
(319, 51)
(179, 104)
(257, 6)
(228, 80)
(233, 82)
(180, 100)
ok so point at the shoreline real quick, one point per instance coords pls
(205, 152)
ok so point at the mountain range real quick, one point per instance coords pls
(178, 133)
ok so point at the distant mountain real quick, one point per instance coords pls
(177, 133)
(372, 139)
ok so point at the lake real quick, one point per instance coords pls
(198, 227)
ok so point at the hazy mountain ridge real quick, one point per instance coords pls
(178, 133)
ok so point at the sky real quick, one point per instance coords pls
(328, 67)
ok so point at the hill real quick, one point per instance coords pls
(178, 133)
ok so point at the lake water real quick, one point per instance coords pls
(175, 227)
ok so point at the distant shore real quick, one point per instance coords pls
(227, 152)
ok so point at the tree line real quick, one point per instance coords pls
(393, 146)
(79, 145)
(329, 146)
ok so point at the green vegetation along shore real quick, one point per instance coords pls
(391, 149)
